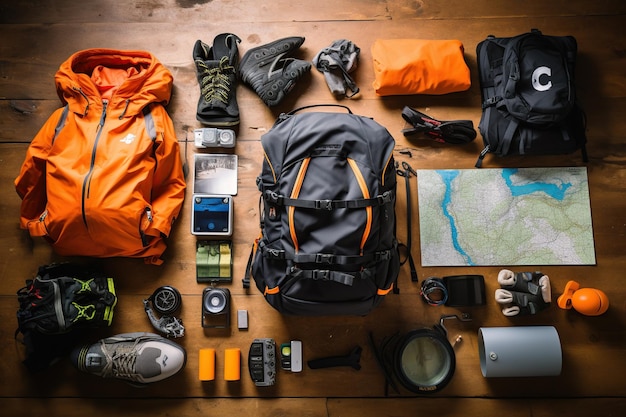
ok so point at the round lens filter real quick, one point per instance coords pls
(424, 361)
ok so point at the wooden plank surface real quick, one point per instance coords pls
(317, 407)
(234, 12)
(38, 36)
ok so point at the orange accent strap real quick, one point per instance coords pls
(255, 244)
(387, 166)
(294, 194)
(382, 291)
(366, 195)
(269, 164)
(274, 290)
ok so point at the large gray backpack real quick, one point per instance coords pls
(328, 243)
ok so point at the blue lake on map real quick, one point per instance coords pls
(556, 191)
(553, 190)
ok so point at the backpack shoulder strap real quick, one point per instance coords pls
(490, 53)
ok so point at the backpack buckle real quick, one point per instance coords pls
(324, 204)
(490, 102)
(275, 253)
(273, 197)
(320, 274)
(385, 198)
(324, 258)
(383, 256)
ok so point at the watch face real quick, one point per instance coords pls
(426, 362)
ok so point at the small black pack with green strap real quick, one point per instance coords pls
(62, 298)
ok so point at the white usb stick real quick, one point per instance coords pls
(242, 319)
(296, 356)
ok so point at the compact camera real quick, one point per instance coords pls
(215, 308)
(212, 215)
(210, 137)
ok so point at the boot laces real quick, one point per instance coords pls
(120, 360)
(215, 84)
(85, 312)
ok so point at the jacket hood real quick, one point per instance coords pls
(145, 80)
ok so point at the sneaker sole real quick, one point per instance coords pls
(273, 91)
(217, 122)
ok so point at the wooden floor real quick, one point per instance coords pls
(38, 35)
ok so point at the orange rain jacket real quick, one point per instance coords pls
(103, 177)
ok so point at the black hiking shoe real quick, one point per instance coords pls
(270, 71)
(216, 69)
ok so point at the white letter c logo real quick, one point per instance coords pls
(537, 73)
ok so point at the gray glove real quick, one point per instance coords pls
(336, 62)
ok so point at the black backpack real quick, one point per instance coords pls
(529, 96)
(328, 187)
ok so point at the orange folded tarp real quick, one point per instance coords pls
(419, 66)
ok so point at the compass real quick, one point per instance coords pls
(166, 300)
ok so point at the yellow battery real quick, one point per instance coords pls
(232, 364)
(206, 364)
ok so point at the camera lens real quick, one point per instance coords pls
(425, 361)
(226, 137)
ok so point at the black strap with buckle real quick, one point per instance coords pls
(453, 131)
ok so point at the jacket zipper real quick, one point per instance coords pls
(144, 238)
(42, 220)
(87, 180)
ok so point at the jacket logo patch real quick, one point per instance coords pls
(128, 139)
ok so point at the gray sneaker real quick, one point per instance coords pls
(138, 358)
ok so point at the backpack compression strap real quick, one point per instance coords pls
(345, 278)
(323, 258)
(280, 200)
(453, 132)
